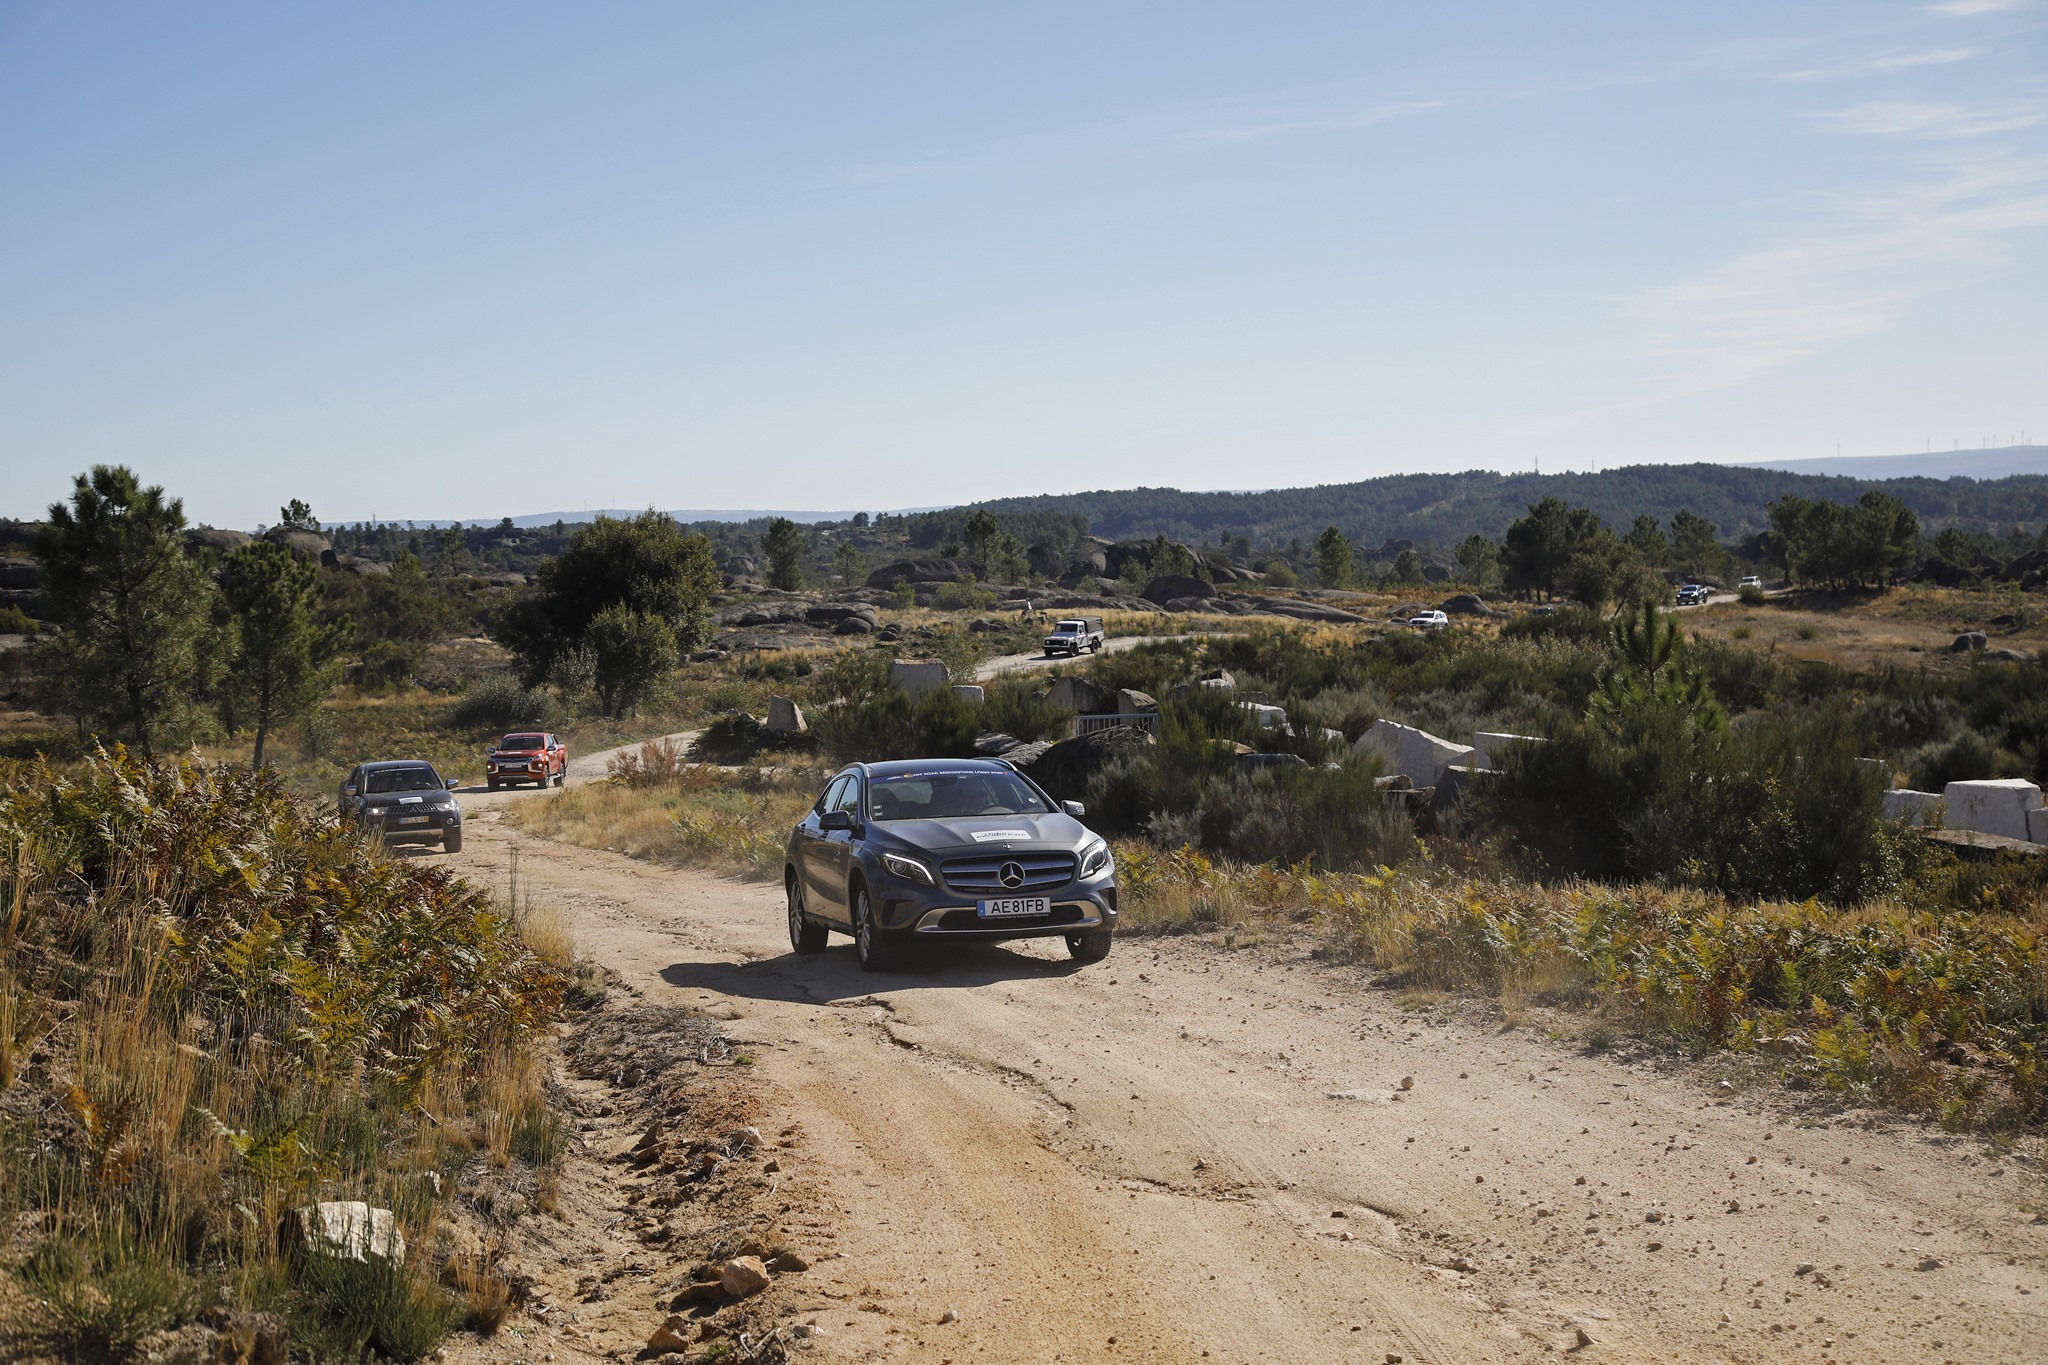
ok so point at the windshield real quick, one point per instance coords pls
(520, 742)
(952, 795)
(421, 779)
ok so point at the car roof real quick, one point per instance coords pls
(398, 763)
(898, 766)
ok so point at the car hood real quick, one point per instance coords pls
(426, 798)
(951, 838)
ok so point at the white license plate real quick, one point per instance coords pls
(1014, 907)
(412, 819)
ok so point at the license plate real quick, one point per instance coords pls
(412, 819)
(1014, 907)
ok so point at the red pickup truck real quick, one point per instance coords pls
(527, 756)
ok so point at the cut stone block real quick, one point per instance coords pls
(1416, 754)
(1486, 748)
(1075, 694)
(1996, 806)
(1268, 717)
(968, 692)
(918, 678)
(1915, 808)
(785, 717)
(2037, 825)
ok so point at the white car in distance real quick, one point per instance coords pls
(1429, 620)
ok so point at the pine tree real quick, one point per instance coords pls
(282, 659)
(134, 608)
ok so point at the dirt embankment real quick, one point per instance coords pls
(1187, 1153)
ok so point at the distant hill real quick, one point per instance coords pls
(2002, 462)
(685, 515)
(1445, 508)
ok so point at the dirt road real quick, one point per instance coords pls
(1021, 663)
(1189, 1153)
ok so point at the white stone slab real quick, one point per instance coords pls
(1996, 806)
(918, 678)
(2037, 825)
(1915, 808)
(1417, 754)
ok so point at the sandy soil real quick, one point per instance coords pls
(1187, 1153)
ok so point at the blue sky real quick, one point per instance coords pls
(478, 260)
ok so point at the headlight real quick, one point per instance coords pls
(1094, 858)
(910, 869)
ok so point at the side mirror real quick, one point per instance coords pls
(348, 790)
(833, 820)
(452, 781)
(1074, 808)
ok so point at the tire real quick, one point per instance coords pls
(1095, 647)
(1092, 946)
(492, 784)
(806, 936)
(876, 953)
(561, 774)
(451, 842)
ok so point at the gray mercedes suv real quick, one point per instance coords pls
(935, 849)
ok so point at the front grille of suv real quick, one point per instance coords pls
(984, 872)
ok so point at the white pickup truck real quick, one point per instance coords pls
(1074, 635)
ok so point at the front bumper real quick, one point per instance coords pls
(391, 826)
(517, 769)
(940, 912)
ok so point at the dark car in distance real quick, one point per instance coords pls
(402, 801)
(945, 849)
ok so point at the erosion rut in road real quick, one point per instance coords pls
(1189, 1153)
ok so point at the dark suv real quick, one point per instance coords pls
(936, 849)
(402, 801)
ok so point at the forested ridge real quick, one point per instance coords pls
(1445, 508)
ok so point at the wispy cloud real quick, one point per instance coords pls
(1963, 9)
(1874, 253)
(1880, 66)
(1179, 127)
(1917, 118)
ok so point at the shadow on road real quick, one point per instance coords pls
(834, 976)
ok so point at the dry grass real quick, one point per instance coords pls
(1911, 627)
(697, 817)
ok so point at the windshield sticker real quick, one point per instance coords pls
(989, 836)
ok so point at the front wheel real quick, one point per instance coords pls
(451, 842)
(492, 784)
(561, 775)
(875, 952)
(1092, 946)
(805, 936)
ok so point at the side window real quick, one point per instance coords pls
(849, 799)
(830, 800)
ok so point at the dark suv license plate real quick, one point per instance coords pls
(1014, 907)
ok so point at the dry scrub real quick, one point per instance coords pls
(660, 807)
(215, 1007)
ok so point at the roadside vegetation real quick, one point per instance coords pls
(215, 1010)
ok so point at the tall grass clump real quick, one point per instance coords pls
(221, 1007)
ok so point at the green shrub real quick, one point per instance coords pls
(888, 725)
(500, 702)
(15, 621)
(965, 595)
(1281, 574)
(1751, 595)
(1775, 806)
(1965, 756)
(1014, 707)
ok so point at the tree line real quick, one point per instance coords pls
(159, 637)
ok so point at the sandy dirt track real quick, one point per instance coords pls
(1187, 1153)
